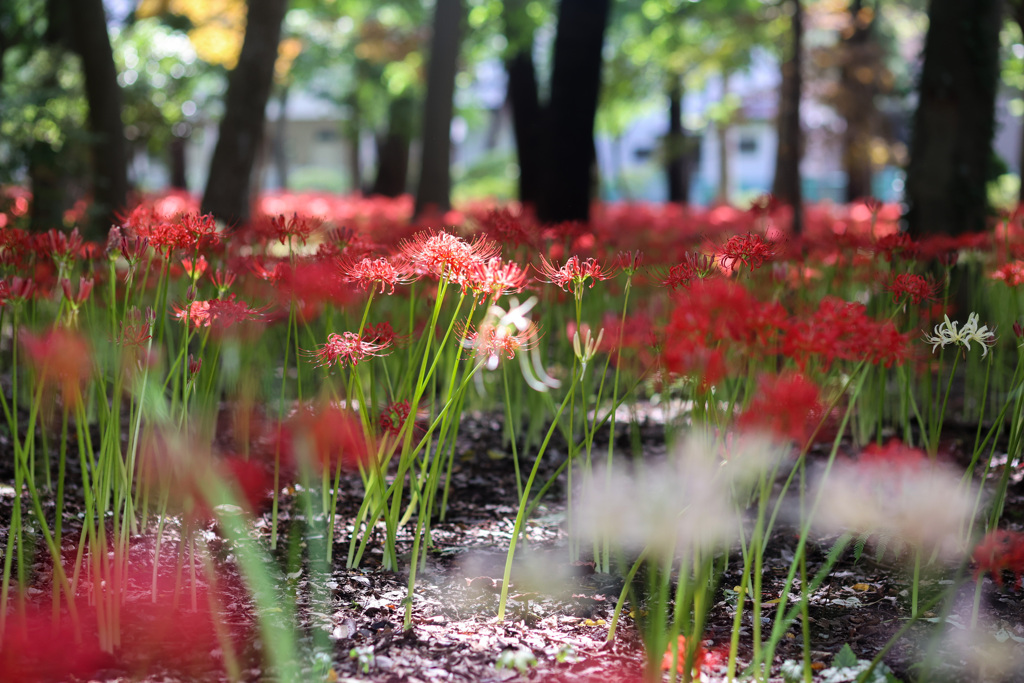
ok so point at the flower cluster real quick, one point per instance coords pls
(1000, 550)
(947, 333)
(574, 273)
(914, 288)
(750, 249)
(347, 347)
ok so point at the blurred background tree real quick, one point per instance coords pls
(553, 102)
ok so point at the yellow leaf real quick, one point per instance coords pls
(861, 587)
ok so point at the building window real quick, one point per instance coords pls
(326, 135)
(748, 144)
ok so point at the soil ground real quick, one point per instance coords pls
(559, 611)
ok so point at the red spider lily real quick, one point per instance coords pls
(61, 247)
(504, 227)
(15, 247)
(222, 280)
(698, 657)
(194, 268)
(444, 255)
(749, 249)
(284, 229)
(197, 231)
(18, 290)
(694, 266)
(393, 417)
(913, 287)
(1012, 273)
(716, 310)
(574, 273)
(218, 313)
(494, 278)
(311, 282)
(1000, 550)
(840, 330)
(60, 357)
(327, 434)
(370, 273)
(348, 348)
(785, 405)
(704, 366)
(898, 244)
(381, 333)
(85, 286)
(629, 262)
(893, 454)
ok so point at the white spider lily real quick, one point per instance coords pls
(947, 332)
(588, 348)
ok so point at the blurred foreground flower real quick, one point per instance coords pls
(677, 506)
(898, 493)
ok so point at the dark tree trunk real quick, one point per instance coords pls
(179, 179)
(951, 148)
(110, 150)
(241, 130)
(527, 115)
(676, 170)
(355, 162)
(47, 184)
(787, 187)
(856, 102)
(1018, 16)
(393, 149)
(434, 187)
(280, 150)
(575, 86)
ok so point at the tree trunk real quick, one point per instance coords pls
(353, 126)
(393, 149)
(1018, 16)
(676, 170)
(722, 133)
(110, 154)
(46, 183)
(179, 178)
(241, 130)
(434, 186)
(527, 115)
(856, 101)
(280, 150)
(575, 85)
(951, 148)
(787, 187)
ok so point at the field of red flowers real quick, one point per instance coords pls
(670, 444)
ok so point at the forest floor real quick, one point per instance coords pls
(559, 612)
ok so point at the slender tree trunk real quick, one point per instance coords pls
(393, 149)
(1018, 16)
(676, 170)
(787, 186)
(47, 184)
(856, 100)
(950, 153)
(527, 114)
(280, 150)
(110, 150)
(575, 86)
(722, 134)
(241, 130)
(434, 186)
(179, 177)
(353, 131)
